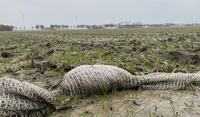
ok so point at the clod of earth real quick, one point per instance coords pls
(182, 57)
(23, 98)
(5, 54)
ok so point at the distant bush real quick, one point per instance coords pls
(6, 28)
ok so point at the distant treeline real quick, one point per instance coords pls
(111, 25)
(126, 24)
(6, 28)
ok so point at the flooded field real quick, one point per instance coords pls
(43, 57)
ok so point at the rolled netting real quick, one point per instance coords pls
(23, 98)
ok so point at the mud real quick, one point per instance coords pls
(5, 54)
(182, 57)
(136, 103)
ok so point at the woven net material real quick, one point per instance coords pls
(173, 81)
(22, 98)
(94, 79)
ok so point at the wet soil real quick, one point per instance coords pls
(43, 57)
(136, 103)
(182, 57)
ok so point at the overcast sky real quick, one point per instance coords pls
(49, 12)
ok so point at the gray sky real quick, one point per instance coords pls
(90, 12)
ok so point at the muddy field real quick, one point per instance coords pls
(43, 57)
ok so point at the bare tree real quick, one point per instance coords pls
(42, 27)
(112, 25)
(55, 26)
(66, 26)
(62, 26)
(37, 26)
(52, 27)
(59, 27)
